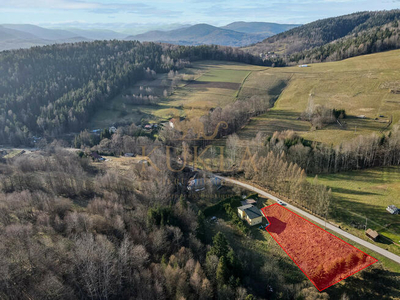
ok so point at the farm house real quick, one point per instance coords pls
(250, 213)
(392, 209)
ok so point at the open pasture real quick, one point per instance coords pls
(363, 86)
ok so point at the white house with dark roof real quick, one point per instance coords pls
(250, 213)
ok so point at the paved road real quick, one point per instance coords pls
(366, 244)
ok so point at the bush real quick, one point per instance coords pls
(219, 206)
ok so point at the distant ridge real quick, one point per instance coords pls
(235, 34)
(334, 38)
(238, 34)
(261, 28)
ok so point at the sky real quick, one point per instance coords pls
(214, 12)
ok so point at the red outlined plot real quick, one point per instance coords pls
(324, 258)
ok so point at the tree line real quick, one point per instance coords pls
(374, 150)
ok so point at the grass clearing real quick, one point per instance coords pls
(360, 85)
(13, 153)
(216, 84)
(362, 194)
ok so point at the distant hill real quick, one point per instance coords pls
(197, 35)
(13, 39)
(97, 34)
(302, 43)
(16, 36)
(7, 33)
(261, 28)
(245, 34)
(42, 33)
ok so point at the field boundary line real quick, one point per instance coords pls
(242, 84)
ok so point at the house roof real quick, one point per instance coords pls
(372, 233)
(245, 206)
(248, 201)
(253, 212)
(393, 207)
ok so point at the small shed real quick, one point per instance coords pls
(248, 201)
(392, 209)
(129, 155)
(372, 234)
(172, 122)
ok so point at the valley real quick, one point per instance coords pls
(253, 160)
(191, 92)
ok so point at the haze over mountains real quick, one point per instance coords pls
(236, 34)
(14, 36)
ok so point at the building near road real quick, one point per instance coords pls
(392, 209)
(250, 213)
(372, 234)
(248, 201)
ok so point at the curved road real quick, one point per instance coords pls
(366, 244)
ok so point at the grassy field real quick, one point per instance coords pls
(362, 196)
(359, 85)
(216, 84)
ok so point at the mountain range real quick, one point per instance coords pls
(14, 36)
(236, 34)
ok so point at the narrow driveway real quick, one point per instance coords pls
(366, 244)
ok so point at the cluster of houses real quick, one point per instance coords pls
(148, 127)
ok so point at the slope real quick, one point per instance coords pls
(42, 33)
(321, 32)
(264, 28)
(363, 86)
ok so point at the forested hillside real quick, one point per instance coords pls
(338, 37)
(376, 39)
(54, 89)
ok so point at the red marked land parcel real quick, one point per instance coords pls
(324, 258)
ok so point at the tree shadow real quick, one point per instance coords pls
(276, 225)
(352, 191)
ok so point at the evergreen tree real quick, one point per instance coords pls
(222, 271)
(220, 245)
